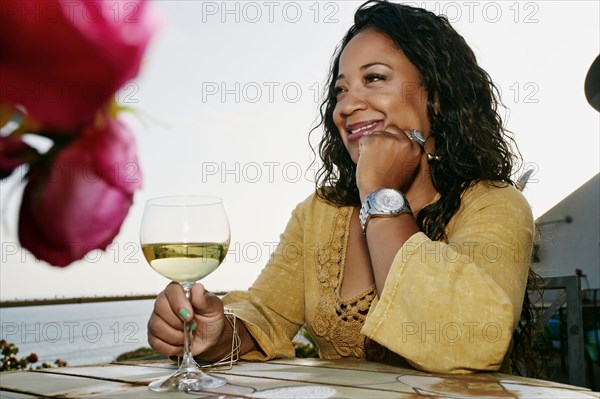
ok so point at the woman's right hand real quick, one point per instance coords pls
(171, 308)
(387, 159)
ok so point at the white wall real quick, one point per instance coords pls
(565, 246)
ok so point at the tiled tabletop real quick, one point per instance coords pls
(293, 378)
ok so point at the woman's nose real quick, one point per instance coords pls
(352, 102)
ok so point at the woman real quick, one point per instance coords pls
(415, 245)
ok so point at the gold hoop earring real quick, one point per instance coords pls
(431, 157)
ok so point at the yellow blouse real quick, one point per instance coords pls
(447, 306)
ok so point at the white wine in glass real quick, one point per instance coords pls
(185, 238)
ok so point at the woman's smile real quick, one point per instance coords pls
(359, 129)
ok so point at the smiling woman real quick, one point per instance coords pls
(402, 69)
(378, 77)
(410, 251)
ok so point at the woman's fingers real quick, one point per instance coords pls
(387, 159)
(163, 338)
(171, 308)
(206, 305)
(165, 327)
(179, 307)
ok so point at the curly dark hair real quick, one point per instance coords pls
(462, 105)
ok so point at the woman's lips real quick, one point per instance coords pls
(359, 129)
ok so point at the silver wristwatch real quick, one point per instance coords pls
(384, 202)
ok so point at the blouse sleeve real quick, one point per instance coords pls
(273, 308)
(452, 307)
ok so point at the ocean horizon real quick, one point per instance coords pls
(79, 334)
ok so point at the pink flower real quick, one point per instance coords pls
(78, 201)
(64, 59)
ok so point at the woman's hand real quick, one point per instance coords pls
(387, 159)
(165, 327)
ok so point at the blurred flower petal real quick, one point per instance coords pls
(77, 204)
(64, 59)
(115, 155)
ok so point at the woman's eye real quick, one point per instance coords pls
(373, 77)
(338, 90)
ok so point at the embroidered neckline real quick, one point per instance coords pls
(339, 320)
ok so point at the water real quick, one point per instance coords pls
(87, 333)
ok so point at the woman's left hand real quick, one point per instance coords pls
(387, 159)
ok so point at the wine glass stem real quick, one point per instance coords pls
(188, 358)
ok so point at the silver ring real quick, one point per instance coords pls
(417, 136)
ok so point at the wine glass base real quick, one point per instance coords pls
(187, 381)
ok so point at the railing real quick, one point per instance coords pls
(63, 301)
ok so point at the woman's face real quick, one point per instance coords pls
(378, 89)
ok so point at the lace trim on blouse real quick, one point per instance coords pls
(339, 320)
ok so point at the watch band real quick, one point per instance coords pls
(383, 202)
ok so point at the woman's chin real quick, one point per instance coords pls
(353, 152)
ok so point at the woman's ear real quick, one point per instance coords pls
(436, 103)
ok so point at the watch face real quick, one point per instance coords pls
(389, 200)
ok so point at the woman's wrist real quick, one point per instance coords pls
(221, 347)
(362, 193)
(235, 337)
(232, 353)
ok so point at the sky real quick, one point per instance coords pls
(229, 91)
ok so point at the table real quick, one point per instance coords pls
(288, 378)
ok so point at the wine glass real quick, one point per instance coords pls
(185, 238)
